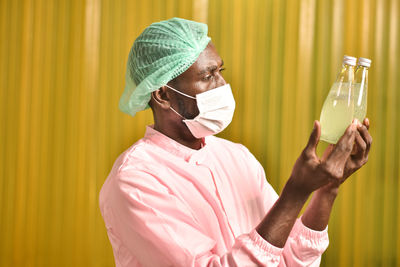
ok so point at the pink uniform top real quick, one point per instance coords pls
(165, 204)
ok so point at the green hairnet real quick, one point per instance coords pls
(162, 52)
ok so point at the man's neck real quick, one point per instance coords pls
(180, 135)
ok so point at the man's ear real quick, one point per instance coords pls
(161, 97)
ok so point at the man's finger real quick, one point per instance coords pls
(361, 147)
(366, 137)
(327, 152)
(345, 144)
(314, 138)
(366, 123)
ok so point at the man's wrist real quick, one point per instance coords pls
(330, 190)
(294, 192)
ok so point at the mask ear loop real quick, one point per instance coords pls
(179, 92)
(169, 107)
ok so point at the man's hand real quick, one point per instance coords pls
(311, 173)
(359, 155)
(319, 209)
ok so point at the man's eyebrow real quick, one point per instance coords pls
(210, 68)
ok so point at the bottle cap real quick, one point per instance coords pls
(348, 60)
(365, 62)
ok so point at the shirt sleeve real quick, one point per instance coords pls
(304, 246)
(145, 220)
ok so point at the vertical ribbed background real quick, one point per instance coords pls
(62, 70)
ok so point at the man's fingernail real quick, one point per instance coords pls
(315, 125)
(354, 125)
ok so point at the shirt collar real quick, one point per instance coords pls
(170, 145)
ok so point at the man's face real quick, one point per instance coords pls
(203, 75)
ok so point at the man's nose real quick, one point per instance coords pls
(221, 81)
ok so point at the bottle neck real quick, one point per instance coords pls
(346, 74)
(361, 74)
(362, 67)
(348, 67)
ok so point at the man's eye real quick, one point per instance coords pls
(208, 77)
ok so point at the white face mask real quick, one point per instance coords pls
(216, 108)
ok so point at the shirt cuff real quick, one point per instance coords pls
(264, 252)
(263, 244)
(309, 238)
(300, 228)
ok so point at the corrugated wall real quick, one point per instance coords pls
(62, 67)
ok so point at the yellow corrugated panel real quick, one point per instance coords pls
(62, 67)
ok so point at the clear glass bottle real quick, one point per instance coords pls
(338, 109)
(361, 88)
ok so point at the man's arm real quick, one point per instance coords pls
(278, 223)
(318, 211)
(309, 174)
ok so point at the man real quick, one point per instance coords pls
(183, 197)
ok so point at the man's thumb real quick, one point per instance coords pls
(314, 137)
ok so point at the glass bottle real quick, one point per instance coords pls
(338, 109)
(361, 88)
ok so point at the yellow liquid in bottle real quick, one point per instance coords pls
(360, 102)
(337, 112)
(360, 93)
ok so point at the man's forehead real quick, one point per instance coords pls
(207, 60)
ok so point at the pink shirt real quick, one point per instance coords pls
(165, 204)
